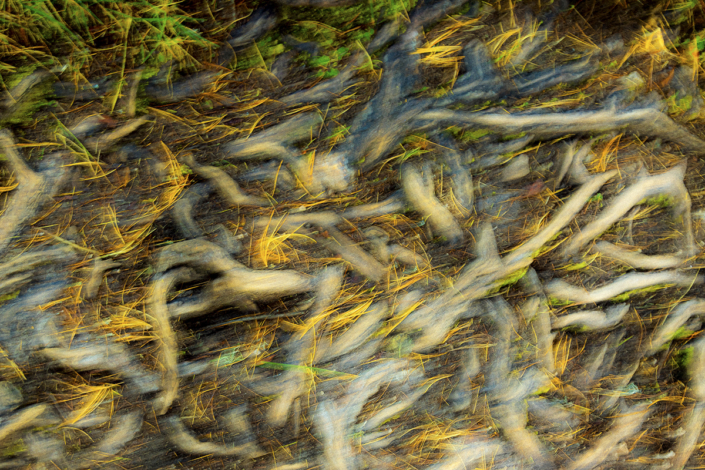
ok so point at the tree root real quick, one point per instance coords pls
(14, 96)
(159, 312)
(18, 272)
(236, 285)
(637, 260)
(394, 203)
(688, 442)
(335, 418)
(381, 250)
(185, 442)
(469, 368)
(124, 429)
(100, 266)
(276, 141)
(592, 320)
(625, 426)
(563, 291)
(21, 419)
(294, 382)
(182, 211)
(483, 274)
(644, 119)
(538, 315)
(510, 410)
(675, 319)
(467, 455)
(238, 423)
(225, 185)
(419, 191)
(329, 349)
(327, 90)
(104, 141)
(181, 90)
(92, 354)
(669, 183)
(461, 178)
(362, 262)
(34, 189)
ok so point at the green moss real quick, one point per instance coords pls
(624, 297)
(400, 345)
(13, 448)
(228, 357)
(662, 200)
(512, 279)
(679, 105)
(24, 111)
(512, 136)
(542, 390)
(10, 296)
(596, 198)
(684, 357)
(556, 302)
(682, 333)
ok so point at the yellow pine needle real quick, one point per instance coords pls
(398, 318)
(428, 383)
(5, 189)
(350, 316)
(607, 154)
(12, 365)
(112, 220)
(89, 398)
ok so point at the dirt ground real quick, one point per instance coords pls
(347, 235)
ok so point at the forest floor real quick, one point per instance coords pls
(343, 235)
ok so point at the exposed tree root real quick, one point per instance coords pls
(96, 355)
(563, 291)
(159, 312)
(669, 183)
(381, 250)
(675, 319)
(644, 119)
(334, 418)
(625, 426)
(18, 272)
(21, 419)
(183, 89)
(637, 260)
(34, 189)
(463, 191)
(100, 266)
(394, 203)
(688, 442)
(182, 211)
(327, 90)
(185, 442)
(469, 368)
(104, 141)
(237, 422)
(225, 185)
(592, 320)
(361, 261)
(330, 349)
(293, 383)
(276, 141)
(420, 193)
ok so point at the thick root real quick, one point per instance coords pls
(563, 291)
(592, 320)
(419, 192)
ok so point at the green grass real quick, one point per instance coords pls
(149, 31)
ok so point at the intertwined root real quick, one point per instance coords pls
(366, 340)
(33, 191)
